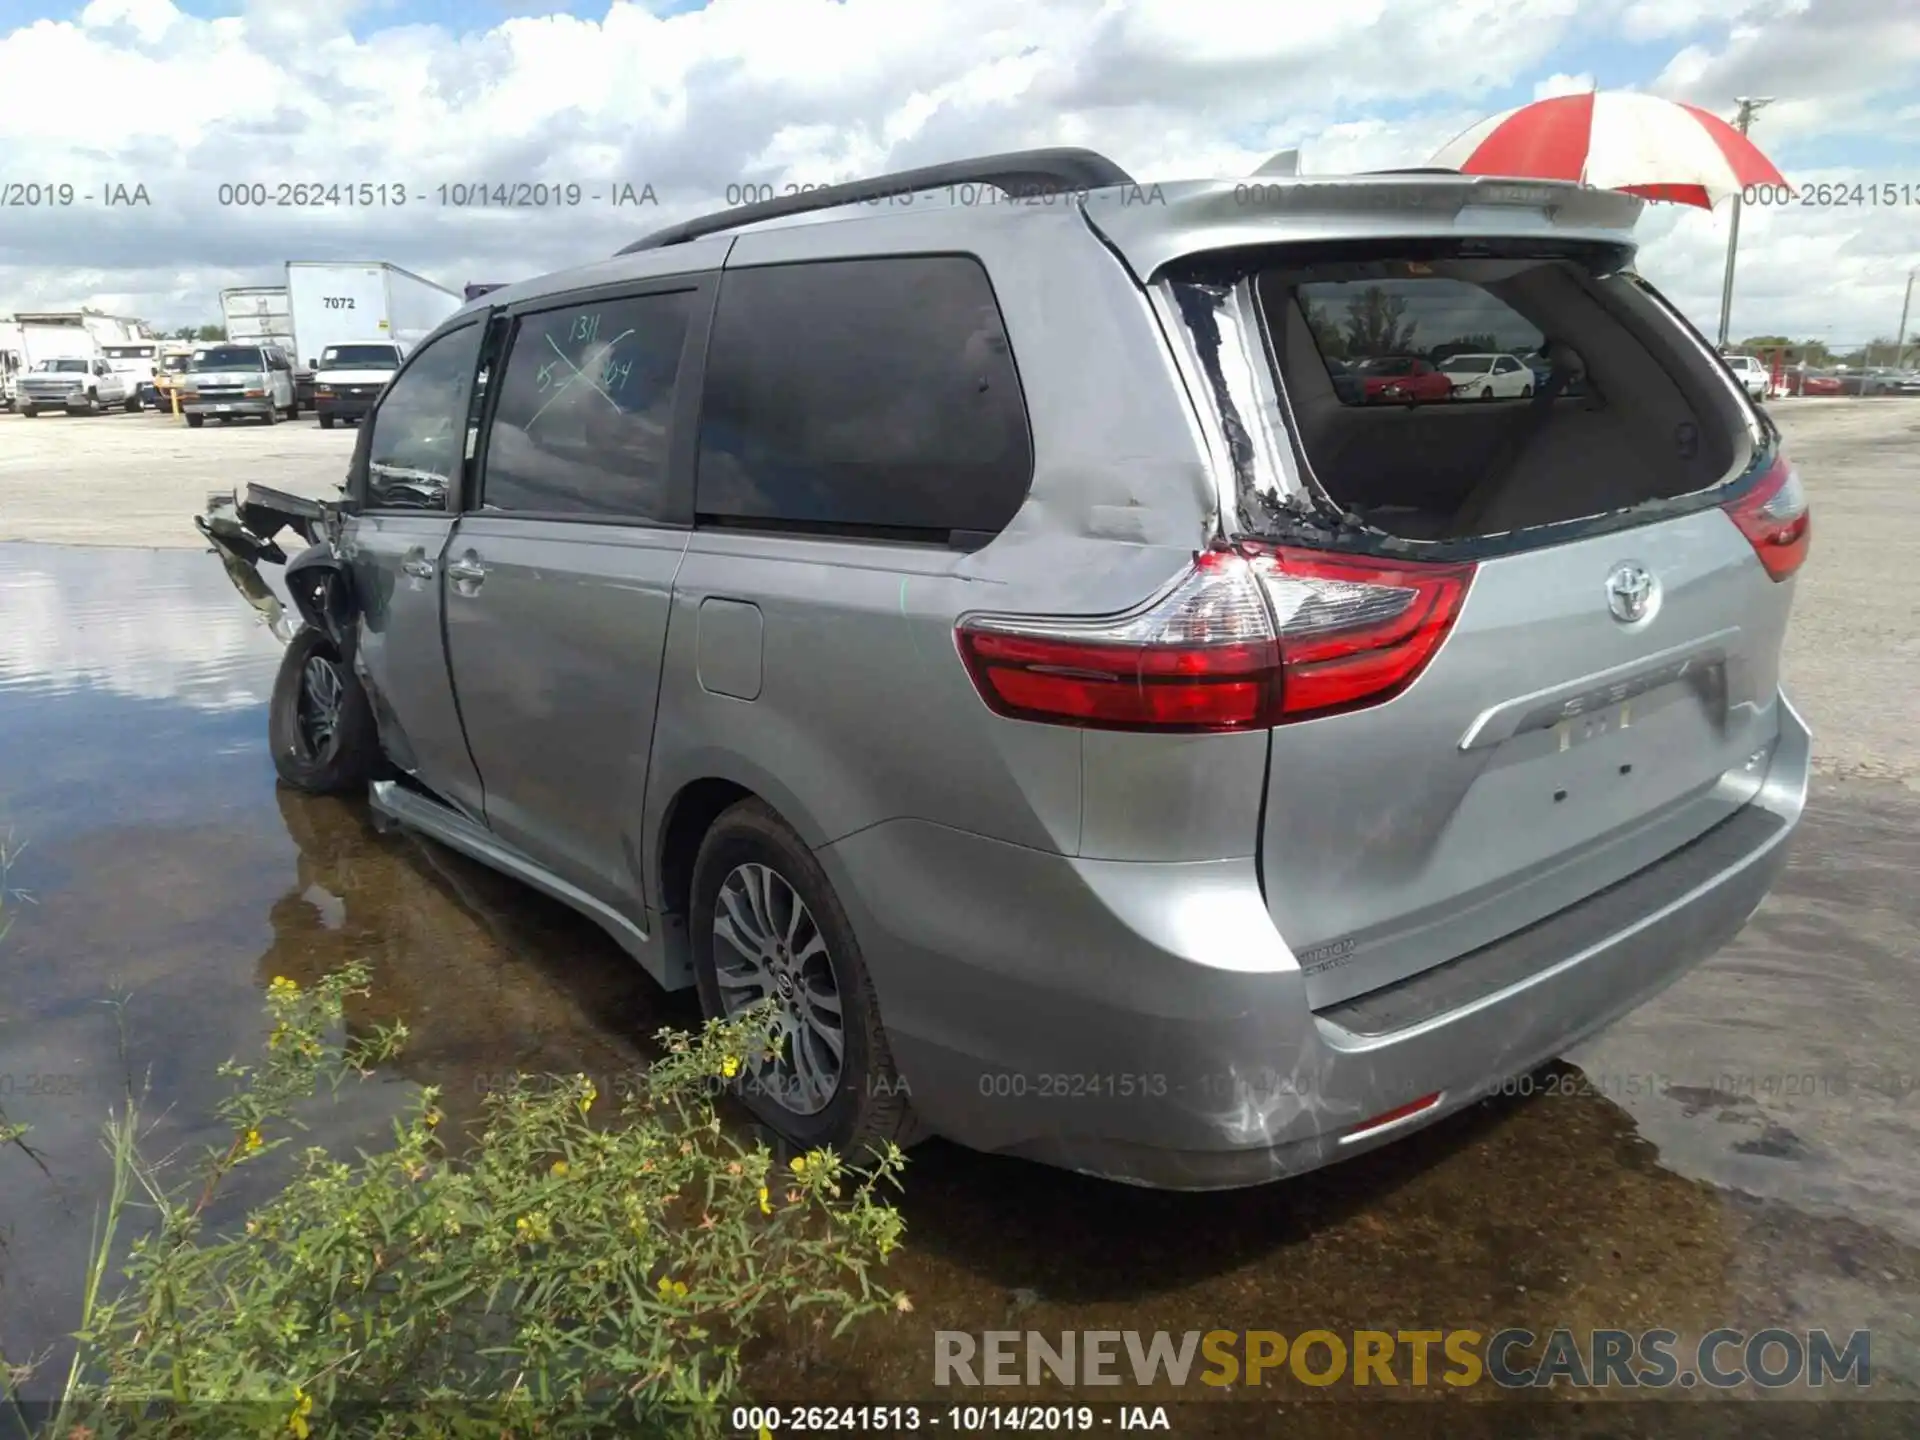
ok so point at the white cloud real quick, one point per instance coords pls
(804, 91)
(1555, 85)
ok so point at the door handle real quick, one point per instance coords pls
(416, 564)
(467, 570)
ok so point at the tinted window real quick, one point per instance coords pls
(863, 393)
(419, 431)
(583, 425)
(1433, 319)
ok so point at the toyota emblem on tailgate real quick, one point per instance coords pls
(1630, 592)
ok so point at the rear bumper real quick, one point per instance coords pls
(1145, 1022)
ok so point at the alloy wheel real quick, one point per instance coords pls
(318, 711)
(767, 946)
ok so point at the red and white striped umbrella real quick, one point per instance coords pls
(1616, 140)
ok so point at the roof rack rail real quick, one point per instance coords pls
(1017, 171)
(1418, 170)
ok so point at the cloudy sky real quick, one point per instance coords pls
(183, 96)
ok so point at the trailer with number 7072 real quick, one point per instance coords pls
(343, 303)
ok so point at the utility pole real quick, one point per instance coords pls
(1900, 335)
(1748, 107)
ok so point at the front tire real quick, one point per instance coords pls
(30, 411)
(766, 924)
(272, 417)
(293, 408)
(194, 422)
(320, 723)
(1487, 393)
(1526, 392)
(132, 406)
(326, 422)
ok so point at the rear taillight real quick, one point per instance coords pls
(1249, 638)
(1776, 519)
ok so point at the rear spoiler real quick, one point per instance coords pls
(1151, 226)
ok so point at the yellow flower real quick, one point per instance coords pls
(252, 1141)
(432, 1117)
(282, 988)
(730, 1066)
(588, 1096)
(672, 1289)
(532, 1228)
(903, 1304)
(302, 1407)
(798, 1164)
(765, 1207)
(559, 1167)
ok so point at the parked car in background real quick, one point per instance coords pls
(170, 366)
(135, 363)
(1346, 384)
(1133, 759)
(1821, 383)
(1487, 377)
(78, 386)
(1401, 380)
(350, 378)
(1753, 376)
(239, 382)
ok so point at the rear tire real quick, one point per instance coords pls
(194, 422)
(30, 411)
(751, 872)
(293, 408)
(132, 406)
(326, 422)
(320, 723)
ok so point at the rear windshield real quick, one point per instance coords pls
(230, 357)
(359, 357)
(176, 363)
(1597, 398)
(128, 352)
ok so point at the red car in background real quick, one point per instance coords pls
(1401, 380)
(1817, 385)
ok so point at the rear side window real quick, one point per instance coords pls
(583, 425)
(1394, 327)
(863, 396)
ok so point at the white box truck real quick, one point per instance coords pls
(12, 358)
(344, 303)
(259, 315)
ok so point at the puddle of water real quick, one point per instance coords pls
(165, 863)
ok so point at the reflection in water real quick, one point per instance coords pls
(149, 624)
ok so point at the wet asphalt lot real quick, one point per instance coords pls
(1741, 1152)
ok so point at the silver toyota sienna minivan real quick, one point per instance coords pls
(989, 613)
